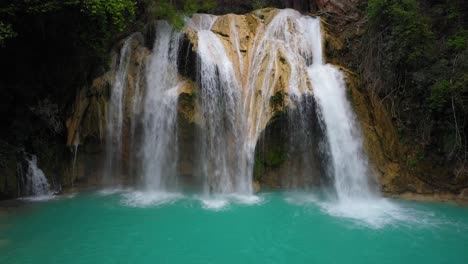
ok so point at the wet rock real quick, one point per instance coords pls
(464, 194)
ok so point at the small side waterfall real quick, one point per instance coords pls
(115, 114)
(35, 182)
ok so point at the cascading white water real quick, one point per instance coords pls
(200, 22)
(159, 144)
(284, 37)
(36, 183)
(115, 113)
(233, 117)
(223, 157)
(347, 161)
(349, 165)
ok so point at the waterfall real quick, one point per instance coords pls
(35, 181)
(235, 89)
(285, 38)
(115, 113)
(348, 163)
(223, 150)
(76, 144)
(159, 144)
(135, 120)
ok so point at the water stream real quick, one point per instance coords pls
(115, 114)
(36, 186)
(159, 147)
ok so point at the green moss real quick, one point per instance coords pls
(259, 168)
(271, 157)
(414, 159)
(274, 157)
(276, 101)
(186, 105)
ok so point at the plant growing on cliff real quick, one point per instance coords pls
(175, 14)
(258, 4)
(415, 59)
(6, 32)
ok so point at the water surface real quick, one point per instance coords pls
(132, 227)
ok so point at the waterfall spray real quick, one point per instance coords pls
(159, 146)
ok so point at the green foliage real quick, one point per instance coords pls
(459, 40)
(416, 58)
(118, 12)
(407, 31)
(258, 4)
(166, 10)
(100, 18)
(439, 95)
(413, 160)
(6, 32)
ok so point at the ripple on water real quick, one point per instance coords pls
(149, 198)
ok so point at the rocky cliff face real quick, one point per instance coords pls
(274, 158)
(343, 27)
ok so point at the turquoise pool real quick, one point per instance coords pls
(273, 227)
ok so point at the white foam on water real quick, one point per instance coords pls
(149, 198)
(214, 204)
(39, 198)
(248, 199)
(111, 191)
(220, 202)
(377, 213)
